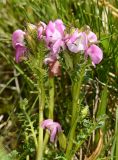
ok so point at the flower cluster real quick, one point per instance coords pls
(57, 39)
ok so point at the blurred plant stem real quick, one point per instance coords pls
(76, 87)
(41, 108)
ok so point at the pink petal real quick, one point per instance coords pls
(77, 42)
(46, 123)
(53, 134)
(57, 45)
(54, 69)
(18, 37)
(92, 38)
(53, 37)
(72, 47)
(54, 31)
(50, 28)
(74, 36)
(20, 52)
(58, 126)
(40, 31)
(95, 54)
(66, 38)
(60, 26)
(53, 127)
(59, 22)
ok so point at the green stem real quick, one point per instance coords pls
(51, 98)
(76, 92)
(51, 106)
(75, 107)
(40, 134)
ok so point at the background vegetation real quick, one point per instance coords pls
(17, 81)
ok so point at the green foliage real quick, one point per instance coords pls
(19, 92)
(7, 156)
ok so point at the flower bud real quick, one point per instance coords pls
(31, 29)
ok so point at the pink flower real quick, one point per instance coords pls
(41, 30)
(55, 42)
(77, 42)
(95, 54)
(53, 127)
(54, 65)
(18, 37)
(91, 37)
(54, 36)
(18, 44)
(20, 53)
(84, 41)
(54, 31)
(93, 50)
(54, 68)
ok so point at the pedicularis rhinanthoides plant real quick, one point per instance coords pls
(51, 51)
